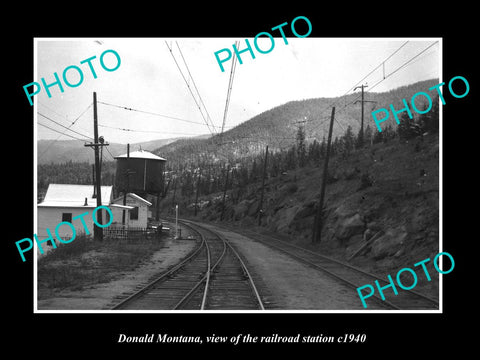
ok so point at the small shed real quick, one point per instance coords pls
(63, 202)
(137, 213)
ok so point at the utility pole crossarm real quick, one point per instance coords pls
(363, 101)
(96, 145)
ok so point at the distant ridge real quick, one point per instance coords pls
(61, 151)
(278, 126)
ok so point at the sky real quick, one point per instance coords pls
(149, 80)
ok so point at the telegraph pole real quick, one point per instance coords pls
(94, 182)
(225, 193)
(198, 188)
(125, 190)
(174, 190)
(363, 102)
(317, 225)
(361, 126)
(98, 231)
(260, 205)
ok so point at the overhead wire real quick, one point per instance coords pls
(76, 119)
(70, 136)
(366, 76)
(58, 137)
(383, 78)
(106, 148)
(381, 64)
(52, 110)
(150, 113)
(229, 88)
(195, 86)
(68, 129)
(145, 131)
(211, 125)
(409, 61)
(190, 90)
(406, 63)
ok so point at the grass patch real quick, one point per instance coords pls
(85, 262)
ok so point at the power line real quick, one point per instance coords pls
(58, 137)
(384, 76)
(195, 86)
(405, 64)
(52, 110)
(71, 136)
(76, 132)
(106, 147)
(229, 89)
(189, 89)
(150, 113)
(381, 64)
(370, 73)
(146, 131)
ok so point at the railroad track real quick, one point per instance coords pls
(346, 273)
(212, 277)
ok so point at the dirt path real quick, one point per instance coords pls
(100, 296)
(294, 286)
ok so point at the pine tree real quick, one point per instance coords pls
(407, 129)
(314, 152)
(323, 148)
(378, 137)
(254, 171)
(274, 161)
(301, 151)
(348, 141)
(388, 133)
(335, 146)
(430, 121)
(368, 136)
(360, 139)
(290, 158)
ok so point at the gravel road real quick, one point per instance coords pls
(289, 284)
(293, 285)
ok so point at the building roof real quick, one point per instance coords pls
(133, 196)
(123, 207)
(141, 154)
(72, 195)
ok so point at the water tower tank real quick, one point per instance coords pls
(141, 173)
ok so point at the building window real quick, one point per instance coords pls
(134, 213)
(67, 217)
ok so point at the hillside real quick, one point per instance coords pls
(277, 127)
(63, 151)
(381, 209)
(383, 197)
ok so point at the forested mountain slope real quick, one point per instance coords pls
(278, 127)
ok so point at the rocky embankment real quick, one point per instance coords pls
(381, 208)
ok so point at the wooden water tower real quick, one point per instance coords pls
(140, 172)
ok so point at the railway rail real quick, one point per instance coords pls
(212, 277)
(345, 273)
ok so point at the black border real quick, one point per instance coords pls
(387, 334)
